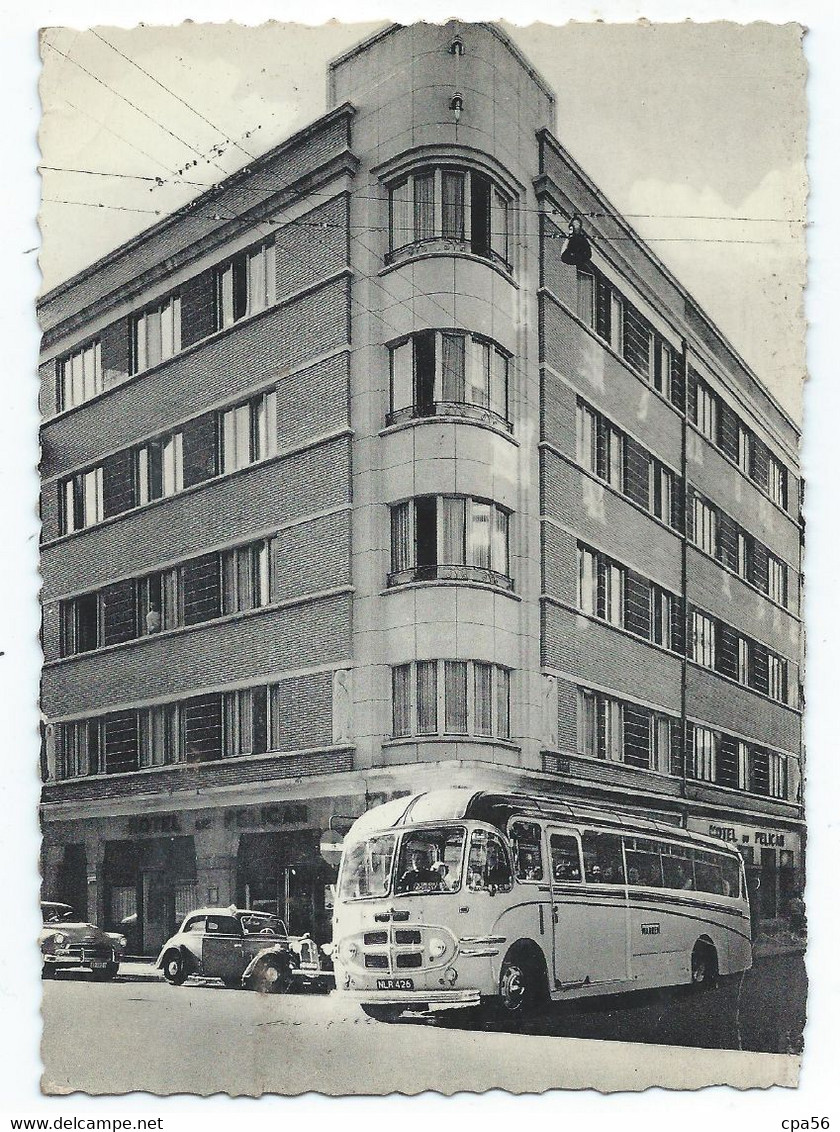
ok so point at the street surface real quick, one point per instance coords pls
(200, 1038)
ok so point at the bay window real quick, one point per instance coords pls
(449, 373)
(450, 697)
(449, 537)
(445, 206)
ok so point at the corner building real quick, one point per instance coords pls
(352, 487)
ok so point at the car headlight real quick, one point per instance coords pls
(122, 941)
(59, 939)
(436, 947)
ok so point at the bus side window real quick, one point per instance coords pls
(602, 860)
(565, 859)
(526, 838)
(488, 869)
(643, 862)
(677, 867)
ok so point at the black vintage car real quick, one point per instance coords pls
(69, 943)
(243, 948)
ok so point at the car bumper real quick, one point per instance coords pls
(85, 962)
(416, 999)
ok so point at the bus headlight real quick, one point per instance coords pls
(437, 947)
(350, 950)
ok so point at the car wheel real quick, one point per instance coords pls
(270, 977)
(174, 968)
(382, 1013)
(704, 966)
(521, 986)
(104, 974)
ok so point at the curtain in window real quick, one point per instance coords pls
(483, 713)
(499, 226)
(499, 551)
(401, 549)
(586, 298)
(402, 226)
(498, 383)
(479, 548)
(402, 376)
(453, 367)
(266, 425)
(455, 697)
(453, 205)
(480, 374)
(225, 300)
(453, 517)
(401, 690)
(426, 697)
(503, 703)
(424, 207)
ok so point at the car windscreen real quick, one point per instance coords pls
(367, 867)
(59, 914)
(430, 860)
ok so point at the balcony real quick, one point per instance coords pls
(459, 410)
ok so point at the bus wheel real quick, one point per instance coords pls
(704, 965)
(382, 1013)
(521, 985)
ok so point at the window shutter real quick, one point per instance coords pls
(120, 742)
(198, 308)
(727, 650)
(758, 668)
(637, 604)
(119, 612)
(637, 722)
(727, 541)
(602, 308)
(678, 380)
(760, 463)
(728, 430)
(636, 473)
(727, 761)
(200, 449)
(119, 483)
(202, 722)
(677, 625)
(760, 563)
(116, 352)
(202, 589)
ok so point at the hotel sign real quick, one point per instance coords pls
(742, 835)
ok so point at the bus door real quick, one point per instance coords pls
(598, 918)
(570, 946)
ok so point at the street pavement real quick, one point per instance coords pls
(140, 1034)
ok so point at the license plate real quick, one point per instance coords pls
(395, 984)
(98, 963)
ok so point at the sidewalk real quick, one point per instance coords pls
(781, 943)
(138, 970)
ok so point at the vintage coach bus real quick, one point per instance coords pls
(459, 897)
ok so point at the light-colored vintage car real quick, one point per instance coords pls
(243, 948)
(68, 943)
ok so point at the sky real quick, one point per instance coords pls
(696, 132)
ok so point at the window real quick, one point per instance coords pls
(79, 747)
(661, 491)
(201, 589)
(465, 697)
(744, 661)
(160, 468)
(601, 727)
(246, 576)
(159, 736)
(120, 742)
(616, 322)
(777, 774)
(745, 555)
(449, 536)
(600, 446)
(440, 373)
(660, 743)
(703, 639)
(705, 753)
(777, 481)
(744, 766)
(601, 586)
(526, 839)
(660, 616)
(706, 412)
(249, 432)
(245, 285)
(663, 372)
(776, 677)
(79, 376)
(644, 863)
(81, 501)
(159, 602)
(488, 867)
(156, 334)
(80, 625)
(587, 438)
(603, 861)
(246, 722)
(705, 525)
(745, 449)
(442, 207)
(776, 579)
(565, 858)
(586, 298)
